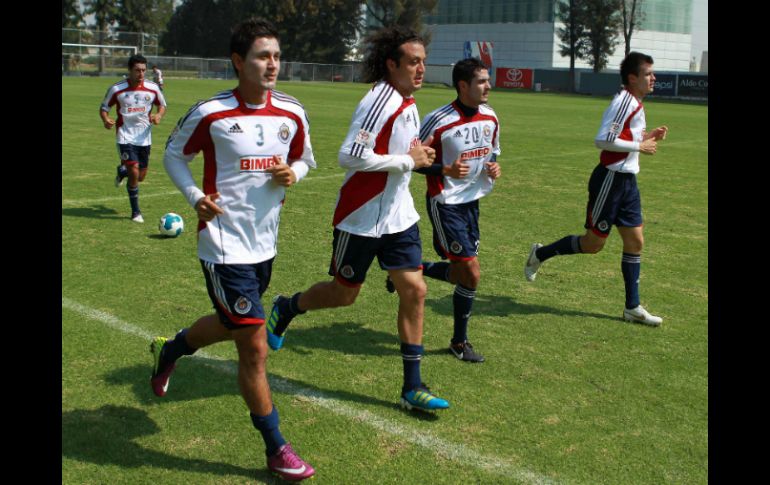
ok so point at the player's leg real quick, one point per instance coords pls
(131, 157)
(400, 255)
(351, 257)
(144, 162)
(466, 274)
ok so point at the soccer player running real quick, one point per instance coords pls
(613, 196)
(157, 76)
(375, 214)
(466, 137)
(135, 97)
(247, 135)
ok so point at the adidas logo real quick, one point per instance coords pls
(235, 129)
(458, 134)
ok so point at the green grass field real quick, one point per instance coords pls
(569, 393)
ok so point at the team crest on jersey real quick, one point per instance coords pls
(615, 128)
(603, 226)
(242, 305)
(347, 271)
(455, 247)
(365, 138)
(284, 133)
(147, 97)
(487, 133)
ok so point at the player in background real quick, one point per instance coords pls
(613, 196)
(466, 137)
(375, 214)
(134, 97)
(157, 76)
(255, 142)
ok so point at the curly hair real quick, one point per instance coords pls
(245, 33)
(383, 45)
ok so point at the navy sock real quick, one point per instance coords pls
(289, 309)
(133, 197)
(562, 247)
(268, 426)
(631, 266)
(463, 302)
(177, 347)
(411, 355)
(437, 271)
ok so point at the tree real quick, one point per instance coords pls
(631, 12)
(105, 15)
(144, 15)
(71, 16)
(573, 35)
(406, 13)
(602, 22)
(311, 30)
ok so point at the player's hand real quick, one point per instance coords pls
(659, 133)
(493, 170)
(207, 209)
(648, 146)
(457, 170)
(282, 172)
(108, 123)
(423, 155)
(155, 119)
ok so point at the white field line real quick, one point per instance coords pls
(123, 196)
(453, 451)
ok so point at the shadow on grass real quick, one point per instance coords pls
(94, 212)
(501, 306)
(345, 337)
(204, 378)
(105, 436)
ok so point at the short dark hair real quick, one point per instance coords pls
(383, 45)
(136, 59)
(245, 33)
(632, 63)
(465, 70)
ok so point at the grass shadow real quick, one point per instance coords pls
(345, 337)
(105, 436)
(501, 306)
(94, 212)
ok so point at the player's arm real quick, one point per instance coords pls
(648, 146)
(658, 133)
(104, 109)
(160, 103)
(609, 136)
(301, 158)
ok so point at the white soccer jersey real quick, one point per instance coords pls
(157, 76)
(238, 142)
(623, 121)
(374, 198)
(474, 139)
(134, 107)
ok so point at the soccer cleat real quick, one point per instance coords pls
(464, 351)
(640, 315)
(159, 378)
(421, 398)
(119, 178)
(532, 264)
(389, 285)
(288, 465)
(276, 341)
(137, 217)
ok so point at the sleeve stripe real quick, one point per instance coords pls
(376, 110)
(621, 114)
(281, 96)
(220, 96)
(431, 122)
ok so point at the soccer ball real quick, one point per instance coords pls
(171, 225)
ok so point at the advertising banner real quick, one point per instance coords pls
(513, 78)
(695, 86)
(665, 85)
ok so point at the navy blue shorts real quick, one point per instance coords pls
(613, 198)
(236, 291)
(132, 154)
(352, 255)
(455, 229)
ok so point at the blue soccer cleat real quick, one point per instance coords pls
(277, 317)
(421, 398)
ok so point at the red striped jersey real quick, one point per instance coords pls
(622, 120)
(374, 198)
(134, 107)
(238, 141)
(474, 139)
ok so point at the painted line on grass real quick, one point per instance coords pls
(456, 452)
(81, 202)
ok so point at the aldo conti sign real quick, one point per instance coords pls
(513, 78)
